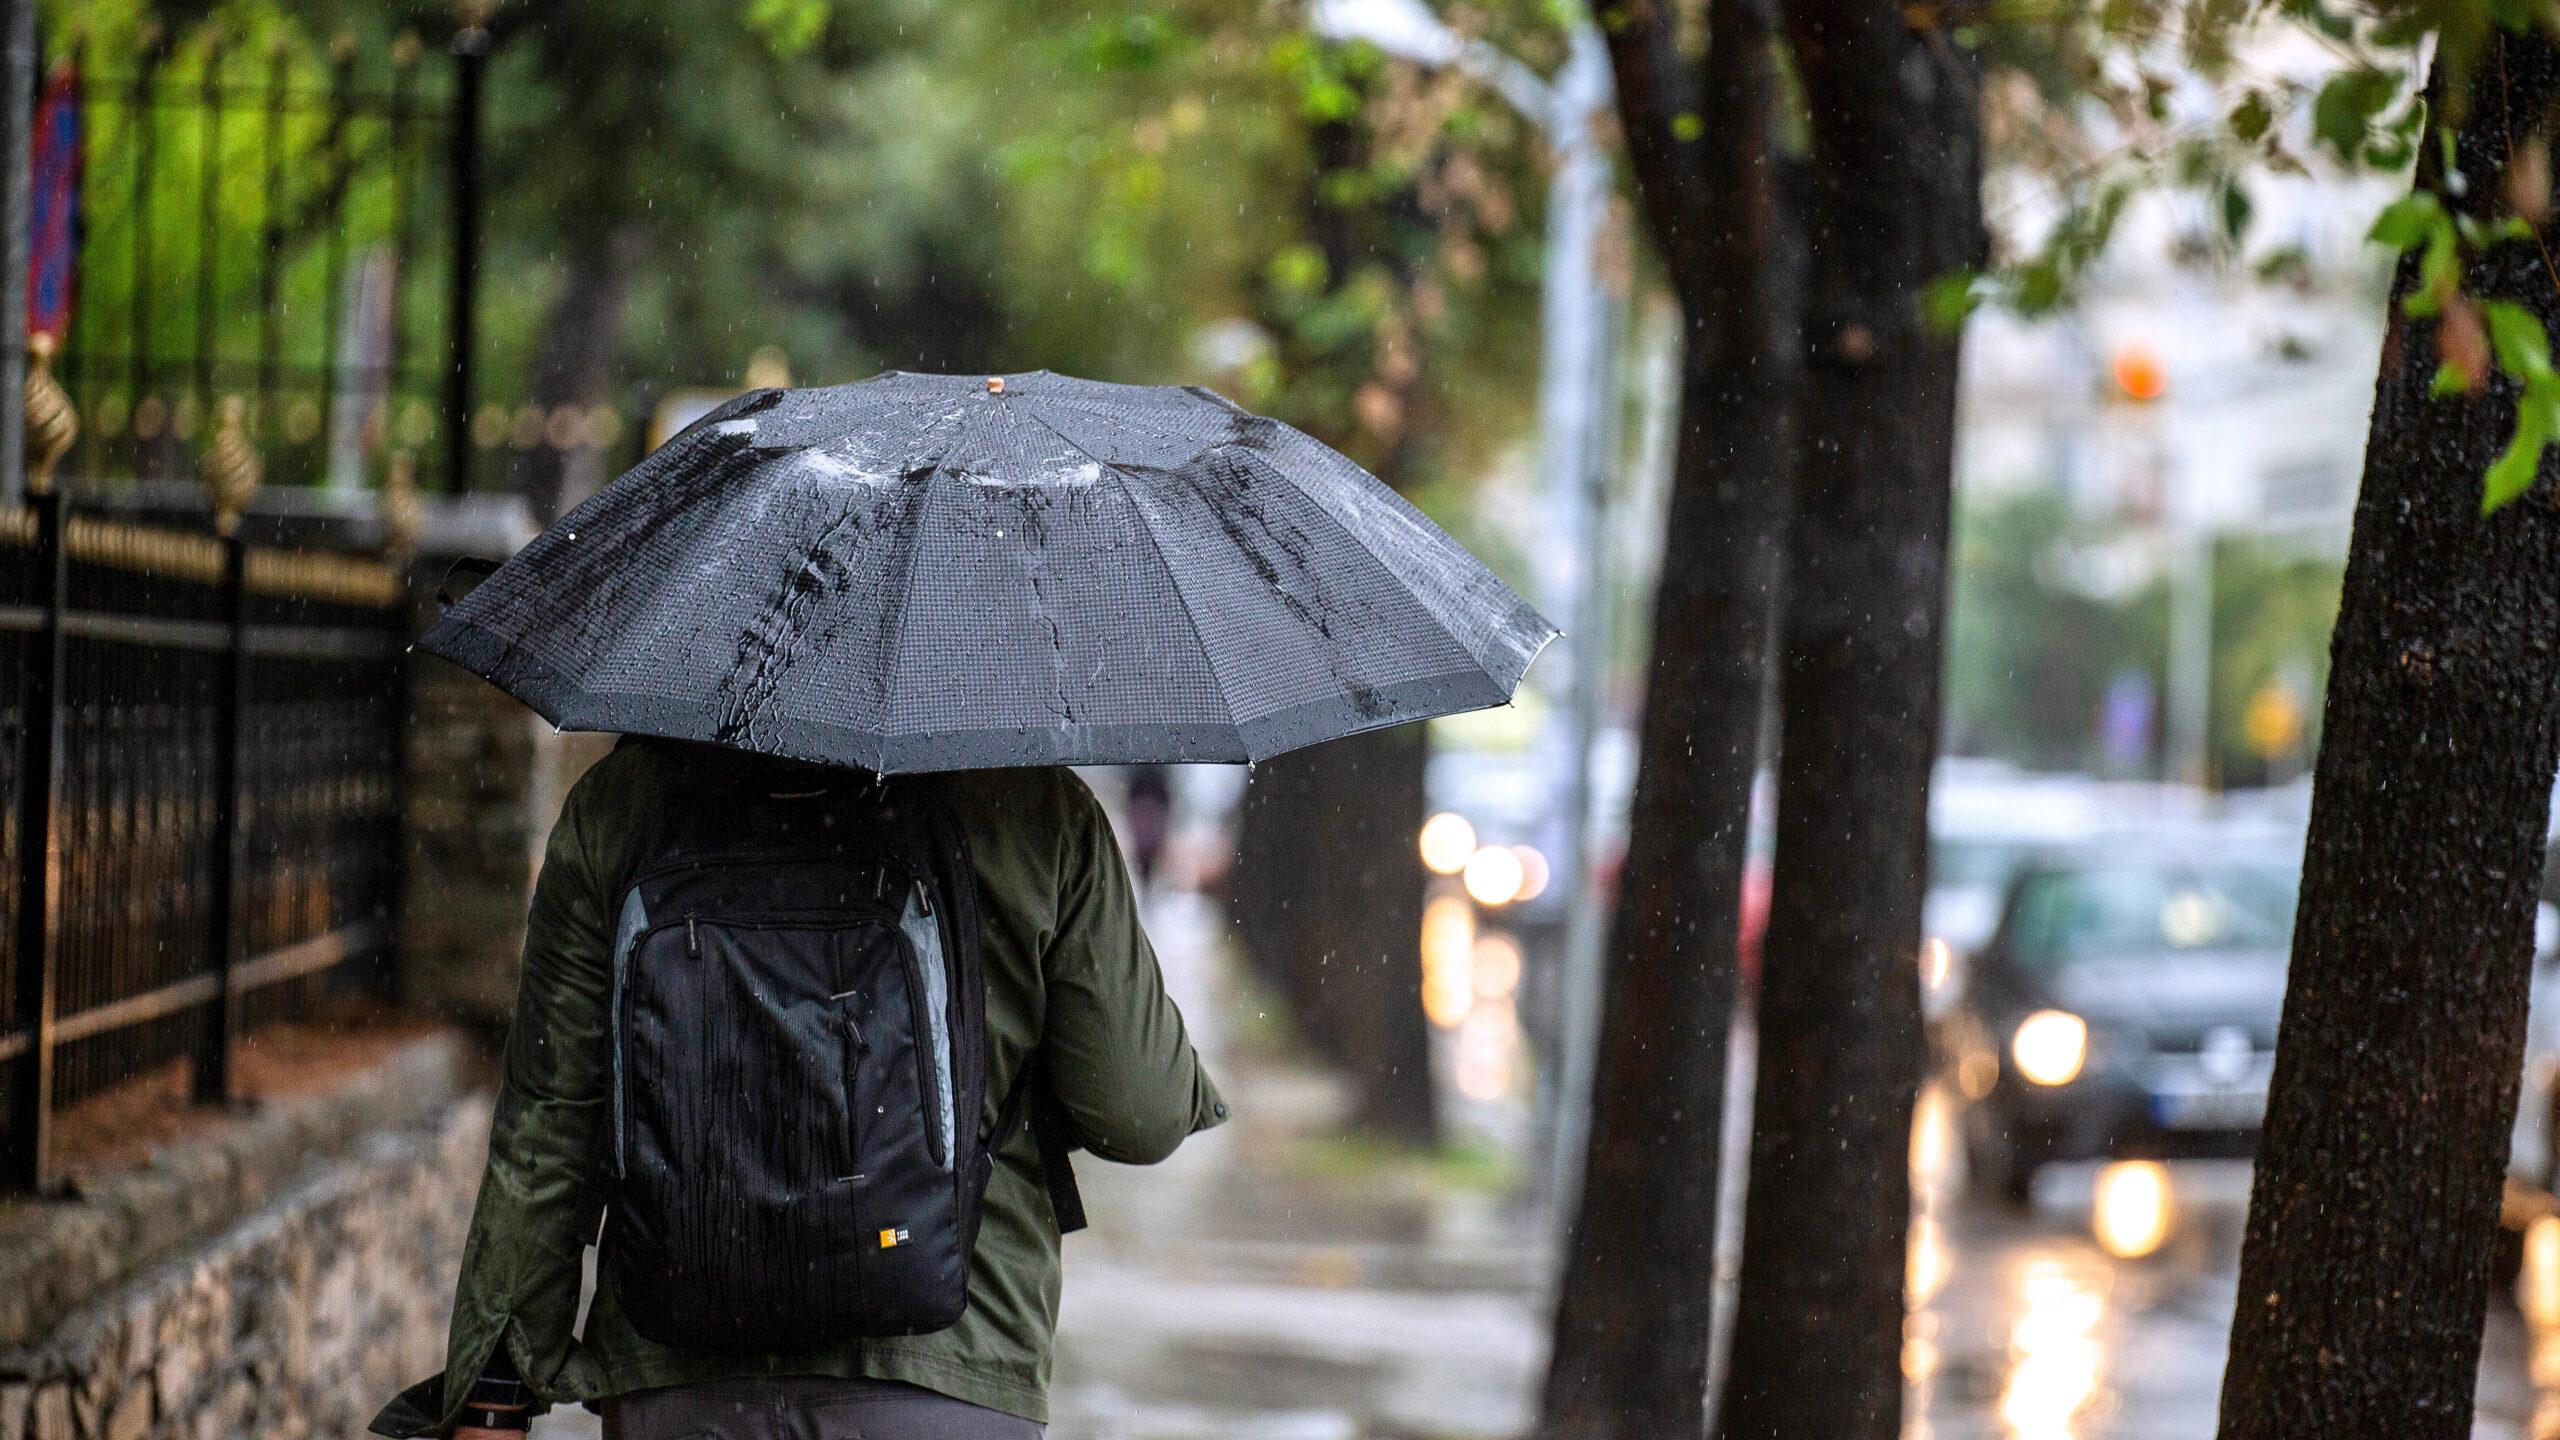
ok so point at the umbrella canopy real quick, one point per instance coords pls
(937, 572)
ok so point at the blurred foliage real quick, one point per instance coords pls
(136, 61)
(2029, 652)
(2034, 642)
(1194, 191)
(2096, 104)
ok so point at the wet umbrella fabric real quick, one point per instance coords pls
(930, 572)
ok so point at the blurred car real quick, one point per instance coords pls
(2125, 1008)
(2127, 1005)
(1987, 819)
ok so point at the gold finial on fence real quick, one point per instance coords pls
(403, 509)
(52, 422)
(769, 369)
(230, 466)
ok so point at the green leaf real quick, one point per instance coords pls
(2512, 473)
(2040, 288)
(2407, 220)
(2449, 381)
(1298, 269)
(788, 26)
(2345, 109)
(2516, 336)
(2251, 118)
(2435, 275)
(1950, 299)
(2235, 210)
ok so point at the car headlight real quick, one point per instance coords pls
(2050, 1046)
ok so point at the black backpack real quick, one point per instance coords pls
(799, 1061)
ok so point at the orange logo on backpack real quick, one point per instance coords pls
(889, 1239)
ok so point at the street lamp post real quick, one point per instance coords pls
(1577, 391)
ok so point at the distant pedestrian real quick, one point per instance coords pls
(748, 1041)
(1150, 814)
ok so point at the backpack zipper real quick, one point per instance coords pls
(928, 1089)
(855, 1045)
(692, 939)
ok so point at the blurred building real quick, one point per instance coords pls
(2195, 383)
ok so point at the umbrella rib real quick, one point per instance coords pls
(1155, 542)
(1421, 596)
(906, 612)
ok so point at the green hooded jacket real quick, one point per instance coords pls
(1069, 973)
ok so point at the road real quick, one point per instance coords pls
(2025, 1327)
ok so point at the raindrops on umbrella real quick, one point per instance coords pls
(934, 572)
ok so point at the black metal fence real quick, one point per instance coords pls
(200, 747)
(298, 231)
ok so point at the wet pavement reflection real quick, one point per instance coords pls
(2101, 1312)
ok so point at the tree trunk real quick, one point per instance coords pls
(1634, 1314)
(1891, 202)
(1328, 900)
(2372, 1223)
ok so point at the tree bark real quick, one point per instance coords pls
(1891, 201)
(1328, 900)
(2366, 1272)
(1633, 1319)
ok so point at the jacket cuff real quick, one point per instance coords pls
(429, 1407)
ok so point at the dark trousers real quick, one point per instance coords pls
(806, 1407)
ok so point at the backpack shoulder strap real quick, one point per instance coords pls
(1032, 1098)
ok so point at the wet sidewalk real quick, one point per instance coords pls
(1270, 1283)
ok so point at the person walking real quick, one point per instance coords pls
(1073, 1003)
(830, 964)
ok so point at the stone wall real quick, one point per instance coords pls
(296, 1318)
(485, 780)
(486, 777)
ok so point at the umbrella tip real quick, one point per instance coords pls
(995, 384)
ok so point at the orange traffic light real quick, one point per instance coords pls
(2138, 373)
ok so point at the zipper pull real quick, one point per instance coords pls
(924, 899)
(692, 939)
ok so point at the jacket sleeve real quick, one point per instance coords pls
(1117, 1054)
(541, 1195)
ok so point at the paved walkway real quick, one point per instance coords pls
(1229, 1292)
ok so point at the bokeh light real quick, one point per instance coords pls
(1494, 876)
(2050, 1046)
(1496, 963)
(1535, 873)
(1448, 960)
(1447, 841)
(1488, 1050)
(2132, 1208)
(2138, 373)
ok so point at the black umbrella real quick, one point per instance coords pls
(936, 572)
